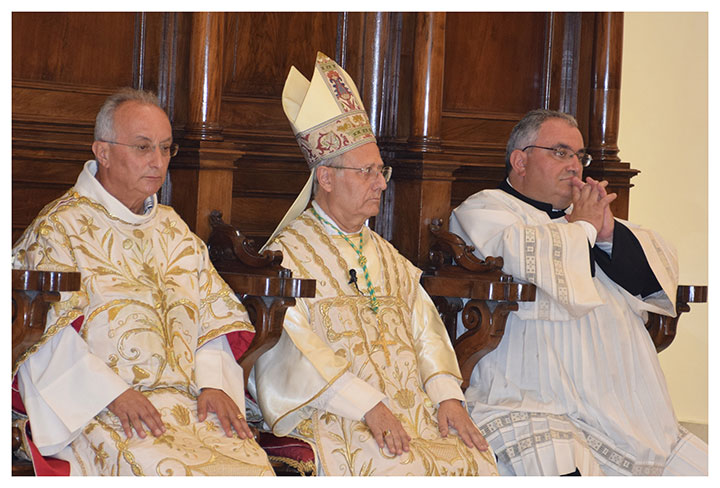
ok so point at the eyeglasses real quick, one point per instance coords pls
(564, 153)
(370, 172)
(167, 150)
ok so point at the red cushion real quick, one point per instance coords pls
(239, 341)
(288, 447)
(47, 466)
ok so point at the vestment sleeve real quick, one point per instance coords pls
(626, 263)
(437, 361)
(62, 384)
(221, 312)
(312, 381)
(552, 255)
(215, 367)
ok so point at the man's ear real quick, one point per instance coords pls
(100, 149)
(518, 161)
(324, 178)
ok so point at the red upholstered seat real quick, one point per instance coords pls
(288, 455)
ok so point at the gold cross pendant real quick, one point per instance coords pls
(383, 342)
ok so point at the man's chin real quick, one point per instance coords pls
(372, 209)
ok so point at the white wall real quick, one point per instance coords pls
(664, 133)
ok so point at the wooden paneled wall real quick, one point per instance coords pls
(442, 91)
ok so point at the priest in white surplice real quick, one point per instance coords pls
(134, 374)
(364, 370)
(575, 385)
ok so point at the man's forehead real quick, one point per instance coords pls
(142, 120)
(363, 156)
(559, 132)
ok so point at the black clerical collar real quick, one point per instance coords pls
(545, 207)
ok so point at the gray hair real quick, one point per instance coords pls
(525, 132)
(325, 162)
(104, 122)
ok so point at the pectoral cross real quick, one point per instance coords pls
(383, 342)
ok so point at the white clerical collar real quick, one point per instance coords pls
(332, 229)
(88, 186)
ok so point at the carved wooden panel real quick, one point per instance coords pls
(74, 48)
(263, 46)
(494, 61)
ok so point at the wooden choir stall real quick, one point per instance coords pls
(442, 91)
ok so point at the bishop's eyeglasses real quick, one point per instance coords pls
(370, 172)
(564, 153)
(144, 149)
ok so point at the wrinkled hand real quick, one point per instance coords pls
(133, 409)
(229, 414)
(590, 202)
(451, 413)
(380, 419)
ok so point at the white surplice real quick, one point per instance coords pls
(575, 380)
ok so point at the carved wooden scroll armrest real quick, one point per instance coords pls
(449, 253)
(32, 293)
(662, 328)
(458, 274)
(265, 288)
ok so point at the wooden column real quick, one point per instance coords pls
(427, 86)
(202, 173)
(605, 93)
(381, 45)
(604, 119)
(422, 179)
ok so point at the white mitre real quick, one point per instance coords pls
(327, 117)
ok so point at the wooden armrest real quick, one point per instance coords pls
(265, 288)
(458, 274)
(662, 329)
(32, 293)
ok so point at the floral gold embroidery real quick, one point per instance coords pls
(405, 398)
(181, 414)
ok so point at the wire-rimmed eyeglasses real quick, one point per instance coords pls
(370, 171)
(167, 150)
(563, 153)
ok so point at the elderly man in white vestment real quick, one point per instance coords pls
(146, 383)
(365, 370)
(575, 385)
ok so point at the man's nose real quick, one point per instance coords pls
(156, 157)
(380, 182)
(574, 164)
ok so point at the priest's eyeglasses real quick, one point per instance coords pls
(370, 172)
(167, 150)
(563, 153)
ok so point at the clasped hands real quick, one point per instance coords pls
(388, 431)
(591, 203)
(134, 409)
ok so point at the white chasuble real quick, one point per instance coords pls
(155, 313)
(393, 353)
(575, 380)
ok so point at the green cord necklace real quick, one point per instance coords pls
(362, 260)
